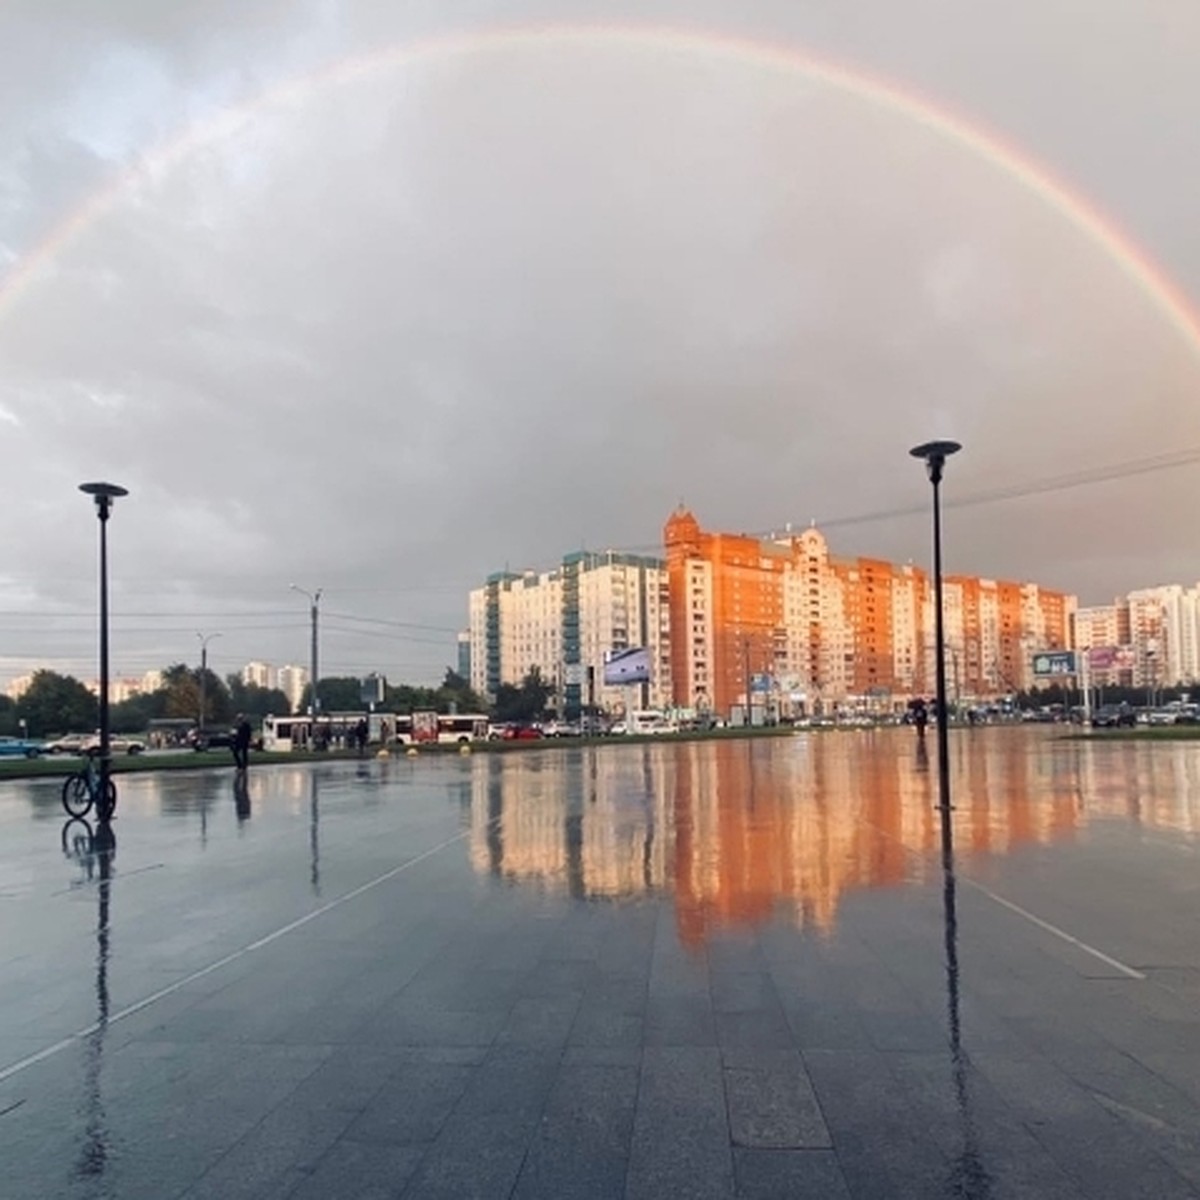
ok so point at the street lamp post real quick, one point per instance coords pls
(935, 455)
(205, 638)
(104, 494)
(314, 599)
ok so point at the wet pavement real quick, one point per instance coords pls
(739, 968)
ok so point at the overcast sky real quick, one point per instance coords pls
(391, 329)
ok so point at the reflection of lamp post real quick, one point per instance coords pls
(314, 599)
(104, 495)
(935, 455)
(205, 638)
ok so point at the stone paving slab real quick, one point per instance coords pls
(390, 1020)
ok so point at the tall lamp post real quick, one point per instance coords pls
(935, 455)
(104, 494)
(314, 599)
(205, 638)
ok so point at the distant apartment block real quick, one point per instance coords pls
(1155, 633)
(292, 681)
(260, 674)
(564, 622)
(782, 617)
(464, 655)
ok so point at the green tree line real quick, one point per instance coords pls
(56, 704)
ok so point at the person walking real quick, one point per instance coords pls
(241, 743)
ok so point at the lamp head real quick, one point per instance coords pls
(935, 454)
(104, 494)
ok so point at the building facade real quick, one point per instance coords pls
(1147, 638)
(781, 622)
(563, 622)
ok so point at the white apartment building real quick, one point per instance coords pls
(260, 674)
(1156, 632)
(564, 621)
(291, 681)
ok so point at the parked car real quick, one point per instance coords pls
(11, 747)
(1111, 716)
(118, 743)
(210, 739)
(522, 733)
(70, 743)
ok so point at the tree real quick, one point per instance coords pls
(181, 684)
(525, 703)
(56, 703)
(336, 693)
(456, 692)
(8, 716)
(255, 700)
(135, 714)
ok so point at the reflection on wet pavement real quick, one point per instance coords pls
(731, 969)
(747, 831)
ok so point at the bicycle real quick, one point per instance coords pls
(81, 791)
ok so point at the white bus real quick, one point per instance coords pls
(446, 728)
(336, 730)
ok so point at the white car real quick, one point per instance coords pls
(117, 744)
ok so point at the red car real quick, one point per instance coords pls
(522, 733)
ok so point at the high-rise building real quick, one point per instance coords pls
(564, 622)
(1155, 633)
(260, 674)
(292, 681)
(782, 617)
(464, 655)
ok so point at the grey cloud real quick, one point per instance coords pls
(484, 310)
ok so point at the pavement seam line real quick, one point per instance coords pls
(1054, 929)
(50, 1051)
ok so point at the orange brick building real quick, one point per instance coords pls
(781, 618)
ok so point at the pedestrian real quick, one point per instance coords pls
(360, 735)
(241, 743)
(920, 716)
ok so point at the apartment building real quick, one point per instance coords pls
(291, 681)
(783, 616)
(564, 622)
(260, 674)
(1155, 633)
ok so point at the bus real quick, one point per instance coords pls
(447, 728)
(335, 730)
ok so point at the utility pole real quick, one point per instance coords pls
(205, 638)
(314, 599)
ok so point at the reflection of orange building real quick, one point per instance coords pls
(824, 630)
(743, 832)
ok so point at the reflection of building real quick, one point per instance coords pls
(564, 621)
(744, 831)
(782, 615)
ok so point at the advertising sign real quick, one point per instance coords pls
(371, 689)
(624, 667)
(573, 674)
(1111, 658)
(1054, 662)
(760, 683)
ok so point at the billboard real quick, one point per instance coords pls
(624, 667)
(1110, 658)
(1054, 662)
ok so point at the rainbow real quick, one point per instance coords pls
(1085, 218)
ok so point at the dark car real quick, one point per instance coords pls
(210, 739)
(1112, 716)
